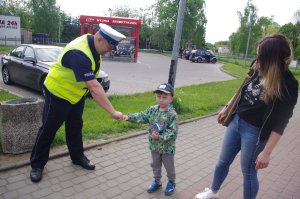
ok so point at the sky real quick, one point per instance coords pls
(222, 18)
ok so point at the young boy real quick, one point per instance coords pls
(162, 135)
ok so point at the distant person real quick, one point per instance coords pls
(163, 131)
(187, 54)
(67, 83)
(180, 52)
(266, 105)
(132, 54)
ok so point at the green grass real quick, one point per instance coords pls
(5, 49)
(235, 61)
(4, 96)
(236, 70)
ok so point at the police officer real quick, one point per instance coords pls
(66, 85)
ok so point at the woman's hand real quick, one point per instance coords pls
(221, 115)
(262, 160)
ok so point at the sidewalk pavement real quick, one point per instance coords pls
(123, 170)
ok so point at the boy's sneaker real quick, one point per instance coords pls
(154, 186)
(207, 194)
(170, 188)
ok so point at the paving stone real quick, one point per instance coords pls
(42, 192)
(27, 189)
(112, 192)
(11, 194)
(55, 195)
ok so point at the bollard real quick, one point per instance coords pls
(20, 120)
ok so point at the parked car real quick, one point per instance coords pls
(203, 56)
(28, 65)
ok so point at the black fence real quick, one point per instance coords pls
(10, 41)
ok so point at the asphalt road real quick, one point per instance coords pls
(145, 75)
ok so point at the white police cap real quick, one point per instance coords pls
(112, 36)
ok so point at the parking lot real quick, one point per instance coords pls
(145, 75)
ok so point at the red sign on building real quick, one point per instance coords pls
(133, 26)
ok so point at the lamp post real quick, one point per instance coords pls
(249, 23)
(178, 31)
(58, 28)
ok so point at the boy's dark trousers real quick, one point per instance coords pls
(168, 161)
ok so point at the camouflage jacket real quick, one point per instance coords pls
(167, 120)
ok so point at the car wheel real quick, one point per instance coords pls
(6, 76)
(198, 60)
(213, 61)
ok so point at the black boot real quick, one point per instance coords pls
(36, 174)
(84, 162)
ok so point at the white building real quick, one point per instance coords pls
(10, 30)
(223, 50)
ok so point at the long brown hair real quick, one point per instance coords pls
(274, 55)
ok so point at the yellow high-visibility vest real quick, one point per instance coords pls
(61, 80)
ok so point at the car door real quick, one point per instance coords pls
(30, 69)
(207, 56)
(14, 62)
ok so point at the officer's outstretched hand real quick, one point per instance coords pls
(125, 117)
(117, 115)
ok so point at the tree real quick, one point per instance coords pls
(264, 26)
(248, 29)
(17, 8)
(267, 26)
(292, 32)
(70, 28)
(260, 27)
(45, 17)
(124, 11)
(297, 42)
(194, 21)
(146, 34)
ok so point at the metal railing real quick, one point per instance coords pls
(10, 41)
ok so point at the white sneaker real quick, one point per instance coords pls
(207, 194)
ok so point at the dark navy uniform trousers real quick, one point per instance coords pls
(56, 112)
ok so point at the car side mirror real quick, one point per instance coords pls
(30, 59)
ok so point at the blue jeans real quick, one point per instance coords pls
(240, 136)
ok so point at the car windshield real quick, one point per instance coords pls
(48, 54)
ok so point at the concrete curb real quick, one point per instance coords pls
(97, 144)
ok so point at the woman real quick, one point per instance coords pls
(266, 105)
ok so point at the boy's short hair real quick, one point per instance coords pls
(165, 88)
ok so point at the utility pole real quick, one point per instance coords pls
(249, 33)
(58, 28)
(179, 24)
